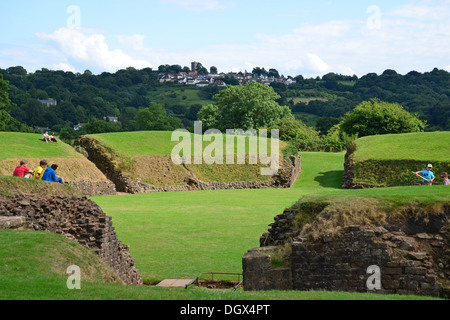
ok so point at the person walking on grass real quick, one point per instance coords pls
(50, 175)
(426, 175)
(39, 171)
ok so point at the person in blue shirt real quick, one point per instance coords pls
(427, 175)
(50, 174)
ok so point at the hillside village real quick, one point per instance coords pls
(194, 78)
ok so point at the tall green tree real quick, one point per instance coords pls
(251, 106)
(8, 123)
(155, 118)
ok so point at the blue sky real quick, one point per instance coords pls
(295, 37)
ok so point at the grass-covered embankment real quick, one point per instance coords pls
(26, 146)
(147, 156)
(390, 160)
(9, 186)
(34, 266)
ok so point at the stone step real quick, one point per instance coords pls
(11, 222)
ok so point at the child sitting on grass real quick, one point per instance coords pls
(445, 179)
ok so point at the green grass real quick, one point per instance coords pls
(34, 264)
(146, 155)
(164, 95)
(28, 145)
(430, 146)
(132, 144)
(183, 234)
(11, 185)
(211, 230)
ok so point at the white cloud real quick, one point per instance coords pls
(425, 10)
(407, 40)
(90, 51)
(317, 64)
(197, 5)
(135, 41)
(64, 67)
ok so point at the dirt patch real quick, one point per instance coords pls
(217, 284)
(158, 171)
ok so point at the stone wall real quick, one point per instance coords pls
(104, 160)
(90, 188)
(76, 218)
(413, 255)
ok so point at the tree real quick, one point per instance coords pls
(251, 106)
(213, 70)
(8, 123)
(273, 73)
(201, 69)
(259, 72)
(376, 117)
(155, 118)
(324, 124)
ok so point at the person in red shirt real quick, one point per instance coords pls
(21, 170)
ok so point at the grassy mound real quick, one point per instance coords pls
(147, 155)
(24, 146)
(389, 160)
(320, 214)
(36, 264)
(11, 185)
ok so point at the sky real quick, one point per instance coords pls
(296, 37)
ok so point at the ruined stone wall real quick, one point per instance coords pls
(90, 188)
(413, 255)
(286, 177)
(409, 264)
(75, 218)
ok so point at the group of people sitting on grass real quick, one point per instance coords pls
(428, 176)
(42, 172)
(49, 138)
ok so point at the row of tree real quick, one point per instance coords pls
(254, 106)
(129, 95)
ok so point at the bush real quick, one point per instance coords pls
(377, 117)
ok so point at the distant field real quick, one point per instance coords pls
(175, 96)
(307, 100)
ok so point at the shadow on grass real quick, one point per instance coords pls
(330, 179)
